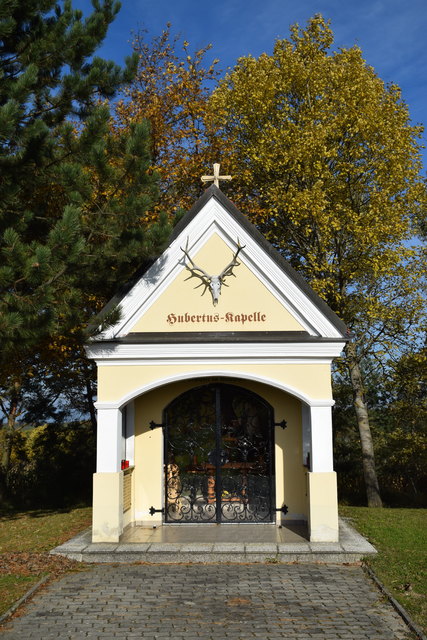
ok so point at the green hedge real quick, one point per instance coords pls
(52, 465)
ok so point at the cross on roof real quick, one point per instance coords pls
(216, 177)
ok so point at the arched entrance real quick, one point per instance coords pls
(219, 456)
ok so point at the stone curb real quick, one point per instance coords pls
(23, 599)
(395, 604)
(168, 557)
(351, 549)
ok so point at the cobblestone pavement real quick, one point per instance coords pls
(210, 602)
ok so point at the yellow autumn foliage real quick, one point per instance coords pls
(327, 164)
(170, 91)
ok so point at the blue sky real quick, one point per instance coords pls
(391, 33)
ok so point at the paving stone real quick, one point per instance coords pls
(210, 602)
(293, 547)
(72, 545)
(364, 548)
(326, 546)
(134, 547)
(99, 547)
(260, 547)
(164, 547)
(197, 547)
(228, 547)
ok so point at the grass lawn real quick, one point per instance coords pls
(25, 540)
(400, 537)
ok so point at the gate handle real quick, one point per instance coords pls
(284, 509)
(282, 424)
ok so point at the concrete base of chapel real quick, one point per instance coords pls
(211, 543)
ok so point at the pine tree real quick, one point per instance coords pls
(72, 193)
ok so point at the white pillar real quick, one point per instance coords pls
(322, 482)
(109, 440)
(321, 439)
(107, 518)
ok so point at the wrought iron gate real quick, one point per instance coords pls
(219, 463)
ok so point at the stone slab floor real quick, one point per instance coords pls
(291, 532)
(210, 602)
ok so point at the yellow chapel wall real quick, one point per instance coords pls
(290, 474)
(117, 382)
(245, 303)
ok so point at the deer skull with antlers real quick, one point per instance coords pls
(213, 283)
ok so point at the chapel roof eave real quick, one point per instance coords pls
(230, 337)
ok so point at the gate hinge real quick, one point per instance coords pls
(153, 425)
(282, 424)
(284, 509)
(152, 511)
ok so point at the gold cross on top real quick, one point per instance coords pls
(216, 177)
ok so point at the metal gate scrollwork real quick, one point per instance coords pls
(219, 457)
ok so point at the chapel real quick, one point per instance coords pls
(214, 387)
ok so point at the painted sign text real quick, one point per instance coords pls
(207, 318)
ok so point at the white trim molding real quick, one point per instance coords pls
(208, 352)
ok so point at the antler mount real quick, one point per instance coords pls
(213, 283)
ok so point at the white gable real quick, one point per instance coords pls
(261, 287)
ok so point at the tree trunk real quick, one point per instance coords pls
(92, 412)
(359, 402)
(9, 433)
(89, 397)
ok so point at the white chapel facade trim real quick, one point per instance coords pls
(265, 349)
